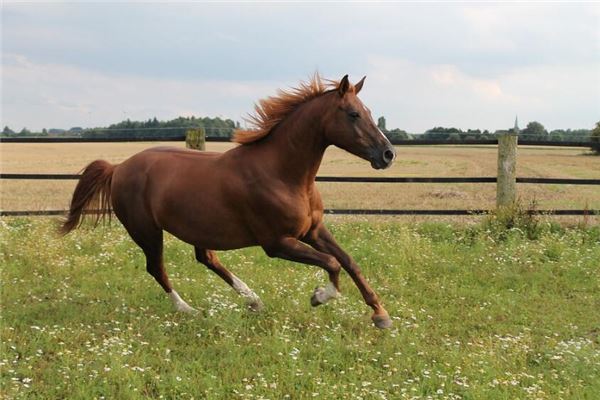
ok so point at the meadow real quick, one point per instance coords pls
(435, 161)
(479, 311)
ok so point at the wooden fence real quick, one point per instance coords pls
(505, 181)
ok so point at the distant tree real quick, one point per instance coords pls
(44, 132)
(381, 124)
(7, 131)
(534, 131)
(595, 138)
(25, 132)
(454, 137)
(396, 134)
(556, 135)
(175, 127)
(579, 135)
(440, 133)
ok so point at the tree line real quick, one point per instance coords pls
(214, 127)
(534, 131)
(217, 127)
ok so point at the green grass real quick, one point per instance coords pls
(477, 315)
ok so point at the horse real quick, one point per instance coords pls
(259, 193)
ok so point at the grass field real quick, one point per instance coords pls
(479, 313)
(412, 161)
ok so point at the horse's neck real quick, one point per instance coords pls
(297, 145)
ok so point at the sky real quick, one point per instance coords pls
(465, 65)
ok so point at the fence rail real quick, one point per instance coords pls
(363, 179)
(333, 179)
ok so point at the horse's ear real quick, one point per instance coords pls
(343, 86)
(359, 85)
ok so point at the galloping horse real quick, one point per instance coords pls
(261, 192)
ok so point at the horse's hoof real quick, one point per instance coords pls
(256, 306)
(184, 308)
(314, 300)
(322, 295)
(382, 321)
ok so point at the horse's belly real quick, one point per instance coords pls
(209, 236)
(204, 221)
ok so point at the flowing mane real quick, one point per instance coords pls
(272, 110)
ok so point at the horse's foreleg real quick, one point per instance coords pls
(209, 258)
(322, 240)
(291, 249)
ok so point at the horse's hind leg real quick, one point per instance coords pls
(209, 258)
(150, 239)
(155, 266)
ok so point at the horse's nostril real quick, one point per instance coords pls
(388, 156)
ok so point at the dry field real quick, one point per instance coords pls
(412, 161)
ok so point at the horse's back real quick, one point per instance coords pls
(195, 154)
(159, 161)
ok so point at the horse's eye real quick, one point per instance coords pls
(354, 114)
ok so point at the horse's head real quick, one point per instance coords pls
(348, 124)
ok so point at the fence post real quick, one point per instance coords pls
(506, 183)
(195, 139)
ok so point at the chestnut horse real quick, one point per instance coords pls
(261, 192)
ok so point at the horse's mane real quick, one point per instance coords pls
(272, 110)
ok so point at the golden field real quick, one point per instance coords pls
(430, 161)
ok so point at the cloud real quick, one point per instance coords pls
(412, 96)
(46, 95)
(467, 65)
(415, 97)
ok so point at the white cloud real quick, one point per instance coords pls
(465, 65)
(415, 97)
(412, 96)
(46, 95)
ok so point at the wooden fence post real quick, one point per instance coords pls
(195, 139)
(506, 183)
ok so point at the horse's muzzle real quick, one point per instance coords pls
(383, 158)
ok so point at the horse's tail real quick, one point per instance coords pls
(92, 193)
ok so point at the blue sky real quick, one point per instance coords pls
(466, 65)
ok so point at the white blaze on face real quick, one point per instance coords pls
(382, 134)
(369, 113)
(178, 302)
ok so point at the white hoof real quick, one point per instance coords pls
(322, 295)
(185, 308)
(179, 304)
(252, 300)
(256, 305)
